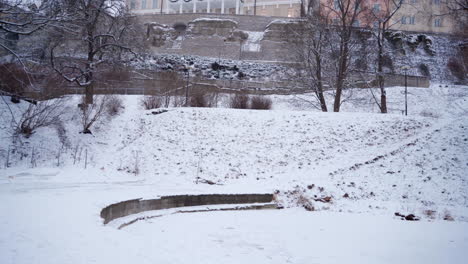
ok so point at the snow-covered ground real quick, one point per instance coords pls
(355, 168)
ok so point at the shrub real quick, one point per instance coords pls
(456, 68)
(178, 101)
(239, 101)
(202, 97)
(152, 102)
(114, 105)
(91, 113)
(260, 102)
(43, 114)
(198, 100)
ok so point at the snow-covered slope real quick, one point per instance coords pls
(357, 161)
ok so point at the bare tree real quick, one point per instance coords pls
(26, 120)
(96, 31)
(379, 18)
(312, 55)
(344, 15)
(22, 18)
(458, 10)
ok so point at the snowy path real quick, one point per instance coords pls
(64, 227)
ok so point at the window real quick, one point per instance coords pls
(155, 4)
(356, 23)
(290, 12)
(412, 19)
(437, 22)
(376, 24)
(143, 4)
(436, 2)
(132, 5)
(403, 20)
(376, 8)
(414, 1)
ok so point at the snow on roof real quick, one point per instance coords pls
(283, 21)
(205, 19)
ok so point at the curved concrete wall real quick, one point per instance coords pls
(135, 206)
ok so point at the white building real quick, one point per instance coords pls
(281, 8)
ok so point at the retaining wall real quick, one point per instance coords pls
(152, 87)
(135, 206)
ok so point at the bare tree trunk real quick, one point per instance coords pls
(312, 56)
(343, 67)
(380, 78)
(321, 97)
(89, 89)
(89, 92)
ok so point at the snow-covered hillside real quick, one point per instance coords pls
(343, 165)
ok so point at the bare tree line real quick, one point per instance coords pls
(82, 38)
(331, 48)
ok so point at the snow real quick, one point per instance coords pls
(384, 163)
(252, 44)
(283, 21)
(208, 19)
(278, 236)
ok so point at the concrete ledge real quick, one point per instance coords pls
(135, 206)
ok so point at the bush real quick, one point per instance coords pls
(203, 97)
(239, 101)
(198, 100)
(151, 102)
(91, 113)
(261, 103)
(43, 114)
(456, 68)
(113, 105)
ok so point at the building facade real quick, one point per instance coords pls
(413, 15)
(424, 16)
(280, 8)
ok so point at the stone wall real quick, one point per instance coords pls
(217, 36)
(135, 206)
(274, 44)
(245, 22)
